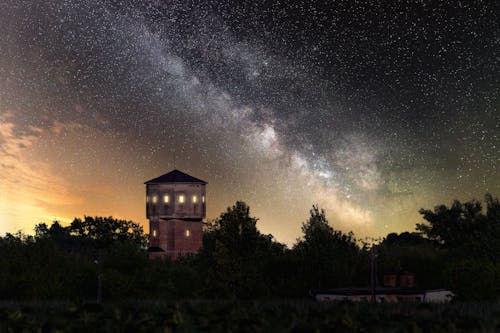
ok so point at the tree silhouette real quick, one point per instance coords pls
(328, 256)
(464, 228)
(457, 248)
(239, 253)
(470, 238)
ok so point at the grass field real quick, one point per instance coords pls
(247, 316)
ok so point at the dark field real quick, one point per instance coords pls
(247, 316)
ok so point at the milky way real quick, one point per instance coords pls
(371, 110)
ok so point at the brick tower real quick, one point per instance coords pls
(175, 208)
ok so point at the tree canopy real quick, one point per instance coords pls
(93, 231)
(326, 254)
(468, 235)
(465, 228)
(457, 248)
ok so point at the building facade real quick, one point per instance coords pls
(175, 208)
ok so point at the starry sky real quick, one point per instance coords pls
(370, 109)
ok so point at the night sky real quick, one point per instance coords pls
(371, 109)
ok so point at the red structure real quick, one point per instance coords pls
(390, 280)
(175, 208)
(407, 280)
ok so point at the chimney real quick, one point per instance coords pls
(390, 280)
(407, 280)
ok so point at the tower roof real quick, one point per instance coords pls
(175, 176)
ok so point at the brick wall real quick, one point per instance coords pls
(174, 240)
(184, 242)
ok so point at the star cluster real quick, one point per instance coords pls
(370, 109)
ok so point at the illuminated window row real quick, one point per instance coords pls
(187, 233)
(181, 199)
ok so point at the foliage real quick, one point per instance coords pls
(469, 236)
(327, 256)
(96, 232)
(457, 249)
(465, 228)
(248, 316)
(411, 253)
(238, 253)
(473, 279)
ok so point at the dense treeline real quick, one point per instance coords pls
(457, 248)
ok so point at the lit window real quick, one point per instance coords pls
(203, 198)
(195, 198)
(166, 199)
(181, 198)
(155, 199)
(147, 198)
(154, 233)
(188, 233)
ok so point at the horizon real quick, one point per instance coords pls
(366, 239)
(371, 111)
